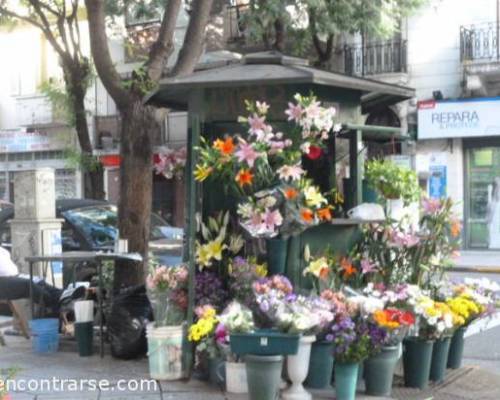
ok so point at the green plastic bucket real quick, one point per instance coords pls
(346, 380)
(84, 333)
(439, 359)
(165, 352)
(276, 253)
(379, 371)
(263, 376)
(320, 365)
(417, 357)
(456, 352)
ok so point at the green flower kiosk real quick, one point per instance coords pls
(214, 97)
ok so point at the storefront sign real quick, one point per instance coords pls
(19, 140)
(460, 118)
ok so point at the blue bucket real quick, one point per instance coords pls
(45, 335)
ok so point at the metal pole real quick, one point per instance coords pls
(498, 30)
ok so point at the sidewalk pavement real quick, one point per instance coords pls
(487, 259)
(468, 383)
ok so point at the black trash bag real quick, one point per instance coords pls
(130, 313)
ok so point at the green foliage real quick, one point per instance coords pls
(6, 374)
(84, 161)
(140, 81)
(57, 93)
(304, 19)
(392, 181)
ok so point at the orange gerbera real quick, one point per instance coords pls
(324, 214)
(244, 177)
(307, 215)
(291, 193)
(226, 147)
(347, 267)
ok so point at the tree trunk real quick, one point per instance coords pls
(136, 181)
(279, 39)
(75, 78)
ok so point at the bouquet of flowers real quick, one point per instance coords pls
(216, 245)
(387, 251)
(167, 292)
(265, 170)
(170, 162)
(210, 289)
(471, 300)
(395, 322)
(237, 318)
(207, 332)
(242, 275)
(329, 271)
(435, 319)
(353, 338)
(440, 241)
(289, 312)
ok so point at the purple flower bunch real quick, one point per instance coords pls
(351, 338)
(210, 289)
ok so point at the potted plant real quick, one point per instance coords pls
(396, 184)
(167, 292)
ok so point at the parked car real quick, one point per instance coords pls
(92, 225)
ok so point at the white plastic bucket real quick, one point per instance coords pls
(165, 352)
(236, 378)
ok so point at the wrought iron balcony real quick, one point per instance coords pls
(378, 58)
(234, 22)
(480, 42)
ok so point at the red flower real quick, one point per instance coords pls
(407, 318)
(315, 152)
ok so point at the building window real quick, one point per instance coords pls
(3, 186)
(65, 184)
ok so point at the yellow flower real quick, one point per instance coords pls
(313, 197)
(202, 172)
(319, 268)
(261, 270)
(215, 248)
(203, 258)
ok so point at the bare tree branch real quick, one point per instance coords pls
(194, 38)
(45, 26)
(102, 57)
(163, 47)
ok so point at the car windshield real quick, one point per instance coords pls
(99, 224)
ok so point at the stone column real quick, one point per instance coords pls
(35, 228)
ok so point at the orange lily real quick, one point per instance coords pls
(325, 214)
(244, 177)
(307, 215)
(347, 267)
(291, 193)
(226, 147)
(455, 229)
